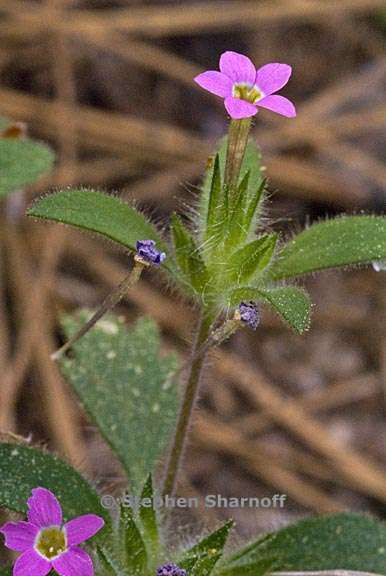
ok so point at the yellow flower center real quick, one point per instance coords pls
(247, 92)
(51, 542)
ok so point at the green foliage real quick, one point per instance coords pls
(290, 302)
(24, 468)
(134, 546)
(203, 556)
(337, 542)
(97, 212)
(188, 256)
(342, 241)
(255, 568)
(126, 388)
(22, 162)
(213, 201)
(148, 517)
(250, 259)
(5, 570)
(134, 549)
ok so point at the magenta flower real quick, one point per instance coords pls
(244, 88)
(45, 543)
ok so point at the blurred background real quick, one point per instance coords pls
(109, 85)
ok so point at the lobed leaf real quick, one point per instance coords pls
(342, 241)
(22, 162)
(24, 468)
(125, 387)
(290, 302)
(337, 542)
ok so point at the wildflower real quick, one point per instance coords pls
(245, 89)
(146, 251)
(249, 314)
(170, 570)
(45, 543)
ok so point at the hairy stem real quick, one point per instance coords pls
(187, 405)
(237, 143)
(110, 301)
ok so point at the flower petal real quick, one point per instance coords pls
(271, 77)
(238, 109)
(278, 104)
(83, 527)
(19, 535)
(215, 82)
(74, 562)
(30, 563)
(238, 67)
(44, 508)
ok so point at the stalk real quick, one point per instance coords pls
(110, 301)
(237, 143)
(187, 405)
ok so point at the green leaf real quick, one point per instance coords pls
(5, 570)
(97, 212)
(201, 558)
(187, 255)
(251, 259)
(290, 302)
(342, 241)
(133, 544)
(251, 164)
(148, 517)
(23, 468)
(110, 563)
(22, 162)
(217, 204)
(126, 389)
(252, 212)
(337, 542)
(236, 230)
(256, 568)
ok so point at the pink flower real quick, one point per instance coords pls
(245, 89)
(45, 543)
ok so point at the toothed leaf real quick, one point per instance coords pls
(291, 303)
(342, 241)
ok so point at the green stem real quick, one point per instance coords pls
(237, 143)
(187, 405)
(110, 301)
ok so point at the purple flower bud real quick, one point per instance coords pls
(170, 570)
(249, 314)
(147, 251)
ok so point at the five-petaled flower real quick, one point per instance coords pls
(46, 543)
(245, 89)
(146, 251)
(249, 314)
